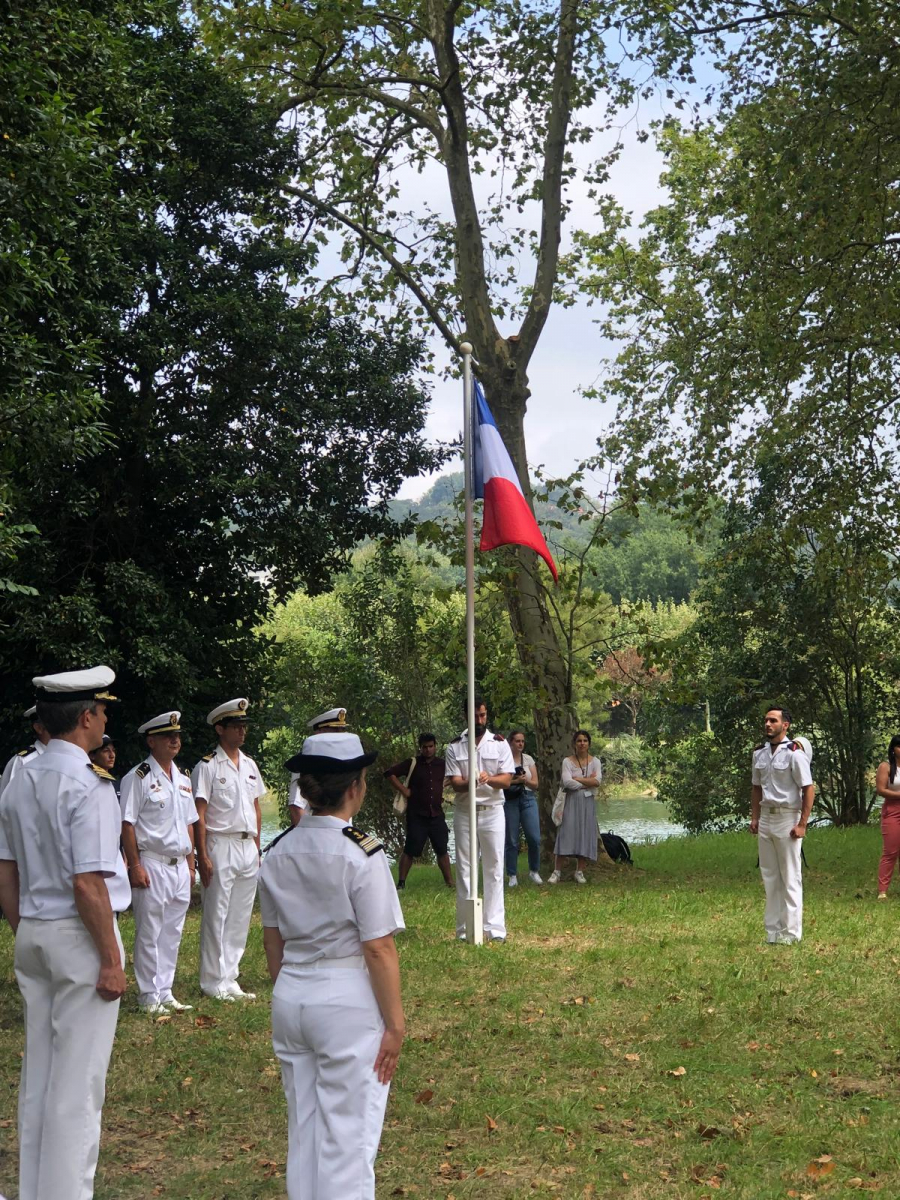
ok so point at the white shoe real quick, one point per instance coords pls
(513, 881)
(176, 1005)
(238, 993)
(579, 877)
(534, 877)
(226, 996)
(153, 1010)
(554, 878)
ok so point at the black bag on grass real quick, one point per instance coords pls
(616, 847)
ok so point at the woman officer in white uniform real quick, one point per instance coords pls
(330, 911)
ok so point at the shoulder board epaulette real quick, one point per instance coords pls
(208, 757)
(24, 753)
(498, 737)
(143, 770)
(102, 773)
(759, 747)
(794, 746)
(277, 839)
(365, 841)
(183, 770)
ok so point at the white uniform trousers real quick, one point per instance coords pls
(326, 1031)
(781, 870)
(491, 823)
(227, 909)
(69, 1034)
(159, 913)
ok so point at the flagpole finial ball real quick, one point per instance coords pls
(465, 347)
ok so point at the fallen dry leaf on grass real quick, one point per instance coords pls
(678, 1071)
(708, 1131)
(425, 1097)
(632, 1058)
(820, 1166)
(491, 1124)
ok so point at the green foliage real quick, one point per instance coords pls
(705, 784)
(249, 440)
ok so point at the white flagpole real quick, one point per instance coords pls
(474, 922)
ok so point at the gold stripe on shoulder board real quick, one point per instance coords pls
(366, 842)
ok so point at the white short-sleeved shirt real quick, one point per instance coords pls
(230, 792)
(58, 818)
(295, 798)
(18, 761)
(324, 894)
(493, 756)
(160, 808)
(570, 768)
(781, 774)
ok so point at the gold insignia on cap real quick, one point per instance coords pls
(173, 718)
(342, 715)
(242, 704)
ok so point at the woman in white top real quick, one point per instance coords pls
(330, 912)
(520, 807)
(577, 836)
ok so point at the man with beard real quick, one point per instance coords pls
(781, 799)
(494, 771)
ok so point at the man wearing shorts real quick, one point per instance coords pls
(425, 819)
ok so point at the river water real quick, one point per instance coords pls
(636, 818)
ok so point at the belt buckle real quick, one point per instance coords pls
(173, 862)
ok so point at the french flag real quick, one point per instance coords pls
(507, 520)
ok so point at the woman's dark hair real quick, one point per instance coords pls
(326, 791)
(579, 733)
(891, 757)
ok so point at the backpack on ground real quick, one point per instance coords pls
(616, 847)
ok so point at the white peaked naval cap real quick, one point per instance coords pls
(805, 745)
(166, 723)
(335, 717)
(29, 714)
(92, 684)
(231, 710)
(330, 752)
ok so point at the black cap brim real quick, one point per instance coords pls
(324, 764)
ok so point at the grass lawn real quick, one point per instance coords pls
(634, 1038)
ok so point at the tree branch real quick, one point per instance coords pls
(551, 200)
(371, 240)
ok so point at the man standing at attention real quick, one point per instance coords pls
(495, 768)
(227, 788)
(158, 816)
(425, 819)
(781, 799)
(62, 883)
(41, 736)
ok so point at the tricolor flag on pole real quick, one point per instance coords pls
(507, 520)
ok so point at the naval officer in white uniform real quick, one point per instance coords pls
(62, 882)
(496, 768)
(781, 799)
(158, 817)
(41, 738)
(227, 787)
(332, 721)
(330, 911)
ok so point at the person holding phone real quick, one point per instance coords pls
(520, 808)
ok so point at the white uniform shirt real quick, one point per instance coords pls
(230, 791)
(159, 808)
(492, 756)
(295, 799)
(18, 761)
(324, 894)
(781, 774)
(58, 818)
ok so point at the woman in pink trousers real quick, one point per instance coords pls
(887, 785)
